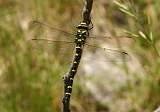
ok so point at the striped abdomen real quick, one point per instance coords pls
(80, 39)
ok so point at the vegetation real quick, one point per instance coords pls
(31, 76)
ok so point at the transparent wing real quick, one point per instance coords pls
(41, 26)
(59, 51)
(109, 38)
(109, 49)
(51, 41)
(96, 53)
(45, 31)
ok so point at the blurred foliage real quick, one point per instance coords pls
(31, 81)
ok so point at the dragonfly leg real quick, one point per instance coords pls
(66, 78)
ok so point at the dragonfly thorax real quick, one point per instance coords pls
(81, 36)
(82, 33)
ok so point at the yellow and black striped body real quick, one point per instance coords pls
(80, 38)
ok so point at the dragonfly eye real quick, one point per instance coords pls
(82, 26)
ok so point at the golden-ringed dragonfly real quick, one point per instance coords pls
(64, 42)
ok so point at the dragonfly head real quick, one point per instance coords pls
(82, 25)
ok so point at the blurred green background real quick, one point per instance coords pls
(31, 79)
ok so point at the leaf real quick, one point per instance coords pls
(151, 36)
(127, 12)
(130, 33)
(121, 5)
(124, 9)
(142, 35)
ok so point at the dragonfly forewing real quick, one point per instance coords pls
(41, 26)
(45, 31)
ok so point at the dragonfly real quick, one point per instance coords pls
(64, 40)
(81, 36)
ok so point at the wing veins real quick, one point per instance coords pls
(51, 41)
(105, 49)
(50, 27)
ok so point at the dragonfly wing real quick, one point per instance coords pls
(108, 37)
(50, 41)
(97, 53)
(42, 30)
(61, 51)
